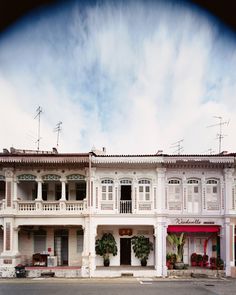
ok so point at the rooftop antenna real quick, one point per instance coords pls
(220, 135)
(38, 114)
(58, 130)
(178, 145)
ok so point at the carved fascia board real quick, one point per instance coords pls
(204, 159)
(127, 160)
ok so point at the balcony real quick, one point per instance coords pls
(46, 207)
(126, 206)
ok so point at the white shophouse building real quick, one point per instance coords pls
(54, 206)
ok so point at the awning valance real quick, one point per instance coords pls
(194, 228)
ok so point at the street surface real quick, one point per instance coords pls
(116, 287)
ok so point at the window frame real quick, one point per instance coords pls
(107, 190)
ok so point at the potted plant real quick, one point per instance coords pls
(194, 259)
(199, 260)
(213, 263)
(106, 246)
(177, 242)
(142, 248)
(219, 263)
(205, 260)
(170, 260)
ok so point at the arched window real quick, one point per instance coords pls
(212, 195)
(144, 190)
(174, 195)
(193, 196)
(125, 181)
(174, 181)
(107, 189)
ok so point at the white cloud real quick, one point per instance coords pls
(134, 78)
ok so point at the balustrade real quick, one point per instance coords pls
(26, 206)
(125, 206)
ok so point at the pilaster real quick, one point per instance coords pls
(160, 197)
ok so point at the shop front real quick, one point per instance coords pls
(201, 240)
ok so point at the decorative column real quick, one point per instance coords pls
(160, 198)
(203, 186)
(158, 233)
(15, 184)
(9, 188)
(164, 235)
(10, 255)
(89, 255)
(135, 196)
(15, 239)
(63, 189)
(184, 191)
(227, 247)
(39, 190)
(228, 178)
(116, 197)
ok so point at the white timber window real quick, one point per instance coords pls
(107, 190)
(193, 196)
(174, 195)
(212, 195)
(144, 190)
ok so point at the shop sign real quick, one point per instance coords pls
(188, 221)
(125, 232)
(192, 221)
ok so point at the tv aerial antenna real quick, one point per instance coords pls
(220, 135)
(178, 146)
(58, 131)
(38, 115)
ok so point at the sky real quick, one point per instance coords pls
(132, 76)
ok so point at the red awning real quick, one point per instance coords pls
(193, 228)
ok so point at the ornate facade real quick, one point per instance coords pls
(57, 205)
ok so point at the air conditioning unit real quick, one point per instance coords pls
(52, 261)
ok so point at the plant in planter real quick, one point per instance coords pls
(219, 263)
(105, 247)
(213, 263)
(170, 260)
(177, 242)
(194, 259)
(142, 248)
(205, 260)
(199, 260)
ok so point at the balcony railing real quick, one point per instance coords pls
(48, 207)
(126, 206)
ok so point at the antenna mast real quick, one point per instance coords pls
(58, 130)
(220, 135)
(38, 114)
(178, 145)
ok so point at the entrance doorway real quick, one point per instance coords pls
(125, 194)
(125, 251)
(125, 199)
(61, 246)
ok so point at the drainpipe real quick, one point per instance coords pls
(89, 205)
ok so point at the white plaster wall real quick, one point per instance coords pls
(24, 190)
(115, 260)
(26, 247)
(1, 241)
(75, 258)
